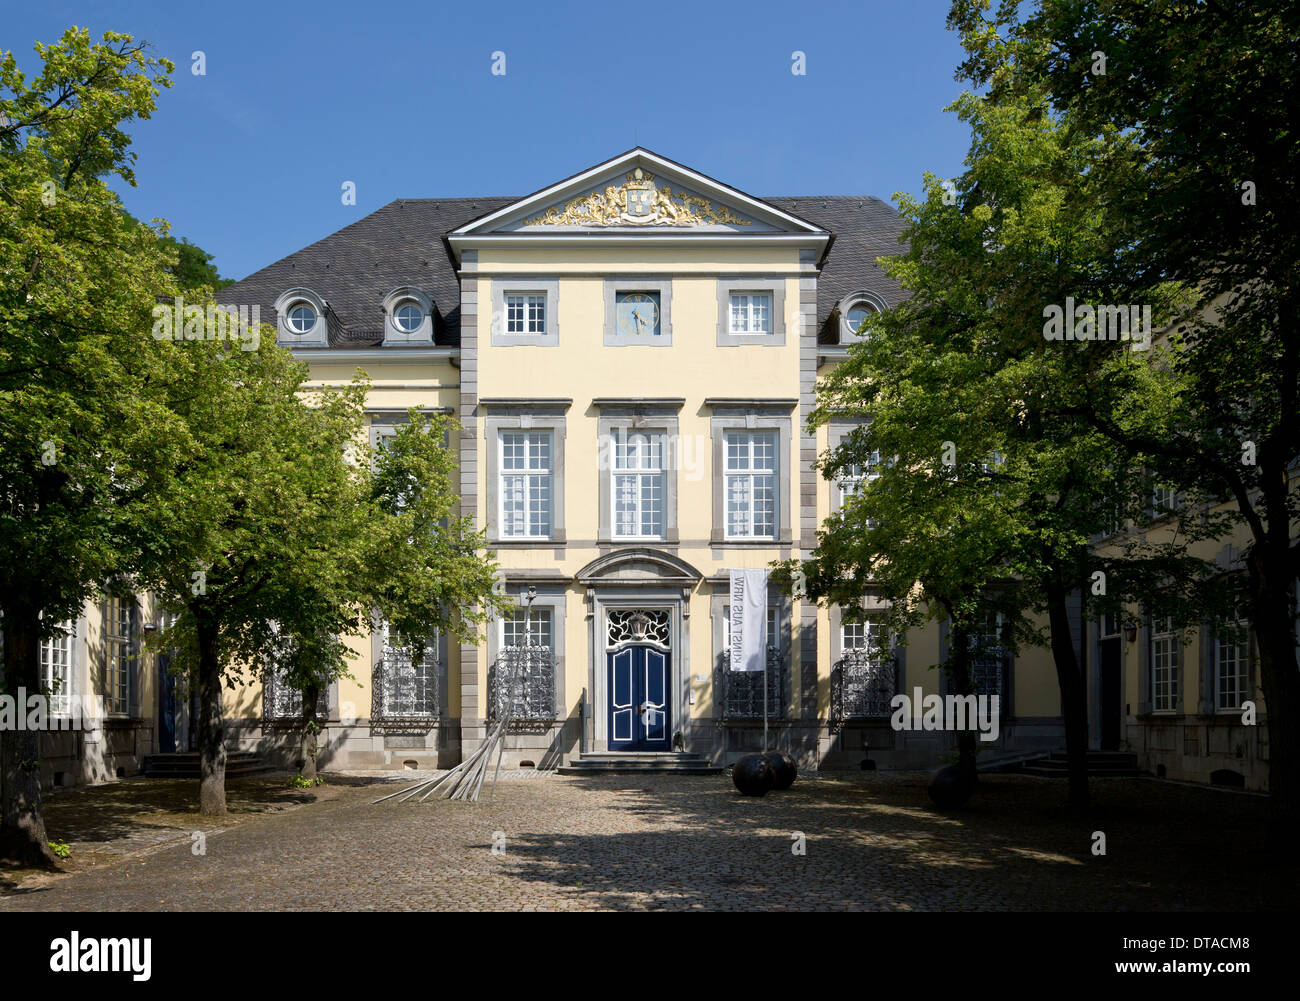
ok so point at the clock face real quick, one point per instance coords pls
(636, 314)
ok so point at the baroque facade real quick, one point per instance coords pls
(632, 355)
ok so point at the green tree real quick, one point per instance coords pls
(1199, 158)
(82, 435)
(278, 540)
(962, 366)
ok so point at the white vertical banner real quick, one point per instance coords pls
(748, 620)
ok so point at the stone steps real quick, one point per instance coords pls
(639, 763)
(1100, 764)
(185, 765)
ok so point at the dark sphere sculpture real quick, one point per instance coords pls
(752, 775)
(950, 787)
(784, 769)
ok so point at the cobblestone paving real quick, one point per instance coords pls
(873, 842)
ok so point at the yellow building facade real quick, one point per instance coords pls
(632, 354)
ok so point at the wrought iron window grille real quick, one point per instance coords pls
(742, 691)
(863, 684)
(523, 680)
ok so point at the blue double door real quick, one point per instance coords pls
(639, 711)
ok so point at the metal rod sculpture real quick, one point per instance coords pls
(465, 781)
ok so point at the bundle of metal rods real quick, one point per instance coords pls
(466, 780)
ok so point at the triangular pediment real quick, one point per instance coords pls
(638, 192)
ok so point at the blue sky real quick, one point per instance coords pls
(248, 160)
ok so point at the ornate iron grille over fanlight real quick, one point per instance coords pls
(637, 625)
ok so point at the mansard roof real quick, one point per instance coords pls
(406, 243)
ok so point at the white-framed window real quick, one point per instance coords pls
(750, 313)
(1231, 673)
(870, 634)
(637, 484)
(56, 670)
(527, 474)
(539, 628)
(772, 624)
(525, 312)
(750, 483)
(119, 644)
(408, 316)
(302, 318)
(408, 689)
(854, 477)
(1164, 499)
(1164, 665)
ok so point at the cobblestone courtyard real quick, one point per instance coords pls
(873, 842)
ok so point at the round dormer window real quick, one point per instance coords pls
(302, 318)
(408, 316)
(856, 314)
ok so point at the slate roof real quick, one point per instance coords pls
(403, 244)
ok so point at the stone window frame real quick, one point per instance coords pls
(719, 603)
(873, 299)
(635, 283)
(773, 286)
(1178, 671)
(755, 415)
(440, 646)
(75, 637)
(1007, 697)
(658, 416)
(552, 596)
(395, 335)
(1209, 659)
(286, 336)
(872, 605)
(388, 421)
(836, 431)
(501, 286)
(523, 415)
(134, 657)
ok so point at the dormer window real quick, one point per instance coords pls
(302, 318)
(855, 310)
(408, 317)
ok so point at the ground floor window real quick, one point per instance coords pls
(401, 688)
(120, 654)
(863, 680)
(1231, 672)
(56, 674)
(1164, 665)
(522, 679)
(742, 691)
(988, 656)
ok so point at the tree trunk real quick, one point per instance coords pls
(959, 670)
(1074, 699)
(22, 826)
(1274, 625)
(212, 746)
(310, 729)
